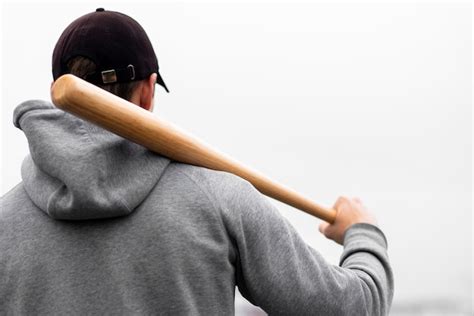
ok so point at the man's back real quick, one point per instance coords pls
(171, 254)
(101, 225)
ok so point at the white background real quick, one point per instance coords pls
(361, 99)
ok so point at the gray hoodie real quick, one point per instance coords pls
(100, 225)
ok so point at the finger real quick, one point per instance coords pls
(322, 227)
(340, 200)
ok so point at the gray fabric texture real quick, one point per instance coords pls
(100, 225)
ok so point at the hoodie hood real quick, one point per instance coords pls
(77, 170)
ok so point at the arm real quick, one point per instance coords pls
(279, 272)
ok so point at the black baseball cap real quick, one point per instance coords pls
(115, 42)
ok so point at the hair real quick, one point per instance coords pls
(81, 67)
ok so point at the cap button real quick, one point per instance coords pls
(99, 10)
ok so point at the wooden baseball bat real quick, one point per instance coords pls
(130, 121)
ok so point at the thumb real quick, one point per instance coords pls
(322, 227)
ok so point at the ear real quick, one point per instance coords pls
(148, 92)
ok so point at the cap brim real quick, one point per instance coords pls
(160, 81)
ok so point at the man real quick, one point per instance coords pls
(100, 225)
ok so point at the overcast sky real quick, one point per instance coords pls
(359, 99)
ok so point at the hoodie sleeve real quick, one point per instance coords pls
(278, 271)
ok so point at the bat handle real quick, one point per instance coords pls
(326, 214)
(310, 207)
(286, 195)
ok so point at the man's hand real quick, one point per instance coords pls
(349, 212)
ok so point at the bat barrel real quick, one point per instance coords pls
(123, 118)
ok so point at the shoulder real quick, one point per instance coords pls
(214, 183)
(208, 178)
(223, 188)
(13, 198)
(15, 207)
(235, 198)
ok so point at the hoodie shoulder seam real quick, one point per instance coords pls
(203, 190)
